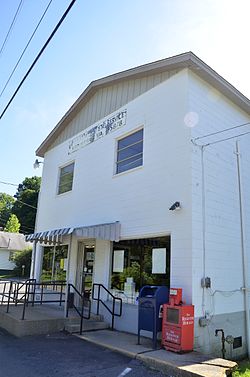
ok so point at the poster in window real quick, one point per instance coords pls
(118, 261)
(159, 261)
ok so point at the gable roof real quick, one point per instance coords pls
(185, 60)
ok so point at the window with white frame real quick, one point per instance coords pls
(66, 178)
(129, 152)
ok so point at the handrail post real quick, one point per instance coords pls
(98, 299)
(15, 293)
(28, 284)
(60, 304)
(3, 292)
(34, 292)
(41, 295)
(8, 304)
(67, 302)
(113, 314)
(82, 309)
(25, 301)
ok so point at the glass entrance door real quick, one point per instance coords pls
(87, 269)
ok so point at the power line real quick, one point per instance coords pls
(11, 26)
(218, 132)
(20, 58)
(38, 56)
(8, 183)
(228, 138)
(26, 204)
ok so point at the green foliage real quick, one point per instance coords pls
(12, 225)
(243, 370)
(23, 258)
(139, 277)
(27, 193)
(6, 204)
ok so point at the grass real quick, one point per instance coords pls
(7, 276)
(243, 369)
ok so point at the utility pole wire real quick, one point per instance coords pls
(8, 183)
(34, 32)
(38, 56)
(220, 140)
(11, 26)
(26, 204)
(219, 132)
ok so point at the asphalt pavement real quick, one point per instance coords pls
(63, 355)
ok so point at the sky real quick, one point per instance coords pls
(99, 38)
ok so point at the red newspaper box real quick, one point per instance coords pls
(177, 323)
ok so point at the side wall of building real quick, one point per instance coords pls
(140, 198)
(217, 250)
(5, 262)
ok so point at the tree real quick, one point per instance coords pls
(26, 203)
(12, 225)
(6, 204)
(23, 258)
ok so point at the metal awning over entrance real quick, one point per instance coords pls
(107, 231)
(50, 236)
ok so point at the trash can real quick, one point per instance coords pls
(150, 301)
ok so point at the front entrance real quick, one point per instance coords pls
(85, 267)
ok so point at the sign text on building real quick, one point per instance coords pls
(96, 132)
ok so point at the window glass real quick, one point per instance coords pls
(133, 266)
(55, 263)
(130, 152)
(66, 178)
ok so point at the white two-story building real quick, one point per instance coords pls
(146, 181)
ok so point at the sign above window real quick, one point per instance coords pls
(98, 131)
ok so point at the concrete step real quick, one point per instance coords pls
(76, 318)
(88, 325)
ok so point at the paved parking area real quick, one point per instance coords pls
(62, 355)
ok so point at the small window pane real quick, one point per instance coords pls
(66, 178)
(131, 139)
(131, 163)
(130, 152)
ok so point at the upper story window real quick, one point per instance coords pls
(130, 152)
(66, 178)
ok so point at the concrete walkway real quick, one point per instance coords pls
(192, 364)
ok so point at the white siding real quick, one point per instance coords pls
(108, 99)
(5, 263)
(223, 261)
(139, 199)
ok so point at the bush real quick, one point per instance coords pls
(23, 258)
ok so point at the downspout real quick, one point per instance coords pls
(243, 250)
(203, 199)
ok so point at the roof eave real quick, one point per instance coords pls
(185, 60)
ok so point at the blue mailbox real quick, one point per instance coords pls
(151, 297)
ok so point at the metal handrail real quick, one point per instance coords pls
(19, 287)
(81, 311)
(114, 300)
(30, 289)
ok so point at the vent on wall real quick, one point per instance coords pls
(237, 342)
